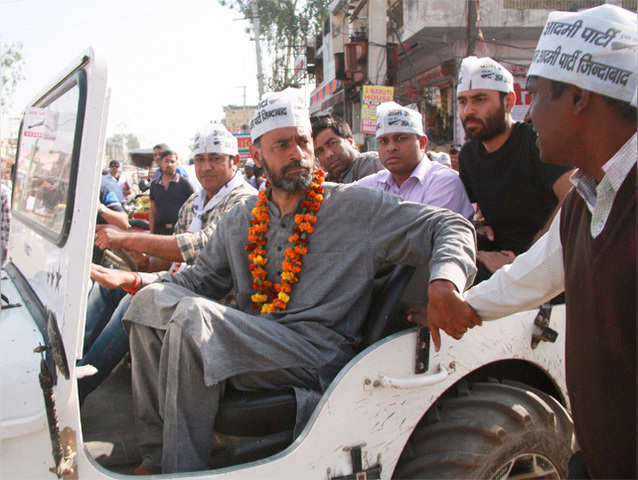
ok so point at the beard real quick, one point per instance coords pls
(492, 125)
(299, 182)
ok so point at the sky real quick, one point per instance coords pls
(171, 64)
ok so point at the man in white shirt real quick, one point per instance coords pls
(587, 119)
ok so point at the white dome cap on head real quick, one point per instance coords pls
(484, 74)
(394, 118)
(287, 108)
(442, 158)
(594, 49)
(215, 139)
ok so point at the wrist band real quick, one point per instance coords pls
(132, 289)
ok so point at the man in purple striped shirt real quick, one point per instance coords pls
(409, 172)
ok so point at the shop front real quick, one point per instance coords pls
(328, 98)
(432, 92)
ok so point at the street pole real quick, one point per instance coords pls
(257, 30)
(244, 116)
(470, 31)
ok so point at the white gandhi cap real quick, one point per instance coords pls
(215, 139)
(287, 108)
(484, 74)
(393, 118)
(594, 49)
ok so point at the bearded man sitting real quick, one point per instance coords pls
(301, 257)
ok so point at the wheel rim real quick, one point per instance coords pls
(527, 466)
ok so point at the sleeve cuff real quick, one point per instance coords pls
(148, 278)
(451, 272)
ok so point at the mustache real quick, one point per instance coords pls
(472, 119)
(294, 164)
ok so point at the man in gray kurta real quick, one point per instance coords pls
(185, 345)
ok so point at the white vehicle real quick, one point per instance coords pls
(492, 405)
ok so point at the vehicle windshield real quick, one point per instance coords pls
(44, 163)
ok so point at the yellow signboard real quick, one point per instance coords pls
(372, 96)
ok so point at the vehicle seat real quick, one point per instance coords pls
(270, 416)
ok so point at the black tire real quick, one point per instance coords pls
(480, 430)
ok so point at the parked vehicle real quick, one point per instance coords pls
(492, 405)
(138, 208)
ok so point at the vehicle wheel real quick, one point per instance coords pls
(490, 430)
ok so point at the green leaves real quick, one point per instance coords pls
(11, 62)
(128, 139)
(285, 26)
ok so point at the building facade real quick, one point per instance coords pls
(237, 118)
(417, 46)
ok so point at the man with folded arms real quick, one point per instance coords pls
(501, 168)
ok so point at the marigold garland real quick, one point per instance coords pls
(278, 294)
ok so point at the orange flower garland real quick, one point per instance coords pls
(278, 294)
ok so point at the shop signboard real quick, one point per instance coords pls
(523, 98)
(243, 144)
(372, 96)
(323, 93)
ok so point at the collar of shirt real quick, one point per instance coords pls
(341, 176)
(419, 173)
(199, 209)
(119, 180)
(175, 178)
(600, 198)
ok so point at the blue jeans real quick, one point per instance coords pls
(105, 340)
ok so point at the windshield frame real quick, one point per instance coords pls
(58, 238)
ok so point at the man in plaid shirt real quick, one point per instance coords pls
(216, 159)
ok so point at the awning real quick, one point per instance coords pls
(325, 91)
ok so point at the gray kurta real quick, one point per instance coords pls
(358, 232)
(365, 164)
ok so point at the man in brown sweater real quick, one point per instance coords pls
(583, 82)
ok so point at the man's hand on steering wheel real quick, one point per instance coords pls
(108, 236)
(111, 278)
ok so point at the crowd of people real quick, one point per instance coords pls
(261, 278)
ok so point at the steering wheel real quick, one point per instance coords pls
(121, 259)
